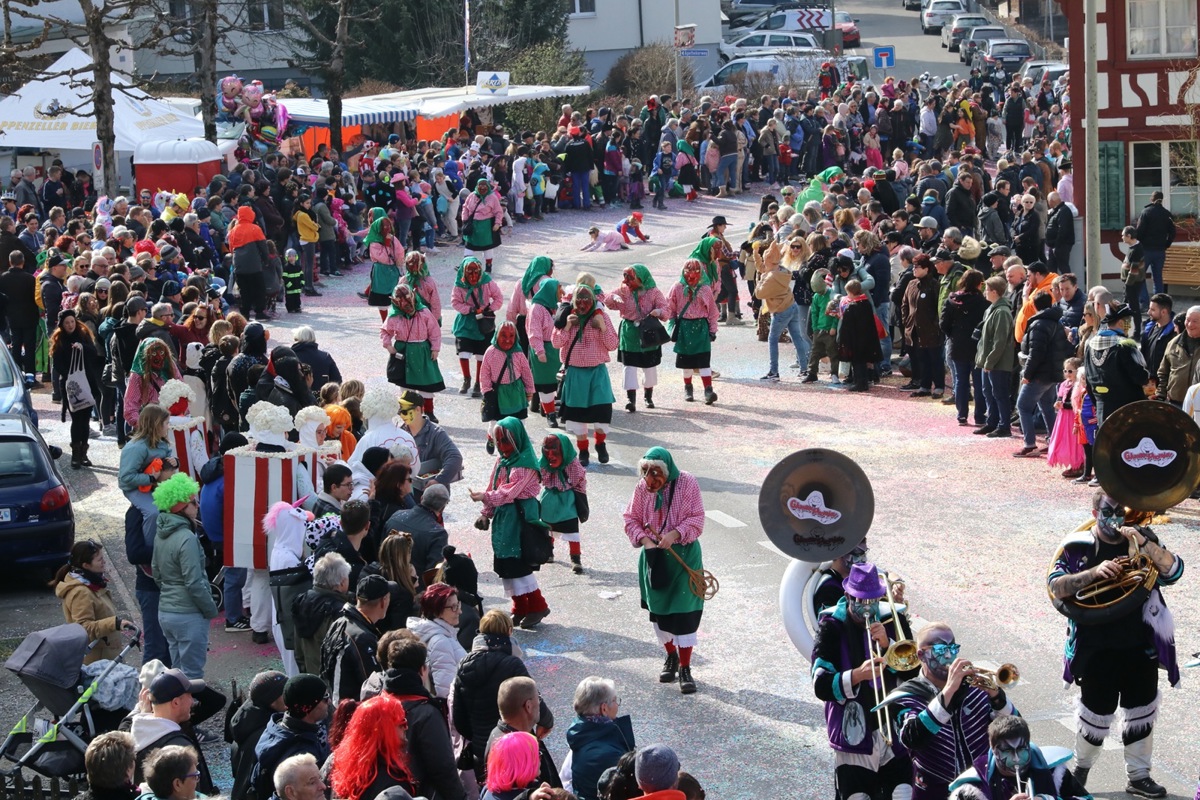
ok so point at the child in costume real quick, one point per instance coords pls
(608, 241)
(564, 492)
(293, 281)
(632, 224)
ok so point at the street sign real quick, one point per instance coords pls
(885, 57)
(685, 36)
(694, 52)
(814, 19)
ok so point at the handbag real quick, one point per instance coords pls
(537, 547)
(487, 324)
(77, 388)
(490, 407)
(396, 369)
(677, 320)
(652, 333)
(562, 372)
(582, 510)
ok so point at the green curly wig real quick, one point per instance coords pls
(179, 488)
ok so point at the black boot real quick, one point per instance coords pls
(583, 457)
(83, 457)
(576, 567)
(670, 668)
(76, 461)
(466, 386)
(687, 393)
(475, 390)
(723, 317)
(710, 396)
(686, 684)
(649, 398)
(602, 452)
(631, 406)
(552, 419)
(534, 405)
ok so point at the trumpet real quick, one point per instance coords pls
(1004, 676)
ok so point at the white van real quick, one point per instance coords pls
(800, 71)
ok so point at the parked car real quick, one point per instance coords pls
(1010, 53)
(800, 71)
(37, 524)
(796, 43)
(801, 19)
(1030, 66)
(848, 25)
(959, 27)
(939, 13)
(1052, 72)
(14, 388)
(911, 4)
(970, 42)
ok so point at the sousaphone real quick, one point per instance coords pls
(815, 505)
(1147, 458)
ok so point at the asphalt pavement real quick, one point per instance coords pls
(971, 529)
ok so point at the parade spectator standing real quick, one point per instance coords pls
(299, 778)
(1060, 233)
(1045, 347)
(19, 287)
(171, 697)
(348, 653)
(1180, 360)
(1158, 333)
(1156, 232)
(297, 731)
(774, 288)
(248, 723)
(598, 737)
(996, 356)
(314, 611)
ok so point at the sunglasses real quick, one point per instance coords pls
(944, 650)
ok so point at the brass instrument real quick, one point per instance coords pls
(882, 719)
(902, 653)
(1002, 677)
(1148, 460)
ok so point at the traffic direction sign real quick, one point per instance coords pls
(885, 57)
(695, 52)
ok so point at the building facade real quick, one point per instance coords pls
(607, 29)
(1149, 121)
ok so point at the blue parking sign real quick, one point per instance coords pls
(885, 57)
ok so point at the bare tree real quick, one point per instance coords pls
(325, 54)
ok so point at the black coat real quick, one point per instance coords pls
(1043, 347)
(961, 209)
(245, 729)
(431, 754)
(1027, 238)
(324, 368)
(348, 652)
(857, 337)
(476, 687)
(93, 364)
(961, 315)
(1156, 227)
(1060, 227)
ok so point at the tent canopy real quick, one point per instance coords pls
(439, 102)
(368, 110)
(37, 115)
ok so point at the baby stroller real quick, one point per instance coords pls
(81, 702)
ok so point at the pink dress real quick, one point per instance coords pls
(1065, 449)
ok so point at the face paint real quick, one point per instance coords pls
(857, 556)
(631, 279)
(1013, 755)
(552, 448)
(655, 479)
(472, 273)
(1110, 518)
(409, 415)
(863, 609)
(506, 337)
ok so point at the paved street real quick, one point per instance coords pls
(971, 529)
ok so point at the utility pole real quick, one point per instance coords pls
(1091, 147)
(678, 75)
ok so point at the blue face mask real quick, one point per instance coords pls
(1013, 756)
(863, 609)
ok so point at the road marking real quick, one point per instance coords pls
(775, 550)
(724, 519)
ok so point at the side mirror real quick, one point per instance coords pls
(55, 451)
(30, 380)
(856, 20)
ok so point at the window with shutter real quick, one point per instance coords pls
(1112, 186)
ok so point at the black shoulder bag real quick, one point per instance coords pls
(656, 559)
(562, 372)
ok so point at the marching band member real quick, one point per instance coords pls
(636, 299)
(829, 586)
(1117, 662)
(667, 512)
(843, 673)
(587, 397)
(941, 719)
(1011, 756)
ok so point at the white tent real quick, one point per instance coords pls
(439, 102)
(36, 116)
(367, 110)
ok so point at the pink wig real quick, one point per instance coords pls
(513, 762)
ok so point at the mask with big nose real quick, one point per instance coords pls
(631, 280)
(552, 449)
(506, 337)
(504, 443)
(472, 273)
(691, 274)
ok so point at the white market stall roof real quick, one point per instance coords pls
(408, 105)
(181, 151)
(36, 116)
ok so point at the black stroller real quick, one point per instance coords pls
(50, 664)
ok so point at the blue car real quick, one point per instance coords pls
(37, 524)
(14, 388)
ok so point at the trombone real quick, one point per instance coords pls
(901, 656)
(1003, 676)
(883, 720)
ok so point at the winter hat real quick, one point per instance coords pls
(171, 288)
(459, 570)
(304, 692)
(656, 768)
(267, 687)
(102, 285)
(136, 273)
(374, 458)
(291, 253)
(168, 252)
(231, 441)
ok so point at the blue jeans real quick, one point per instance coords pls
(1154, 264)
(581, 194)
(145, 504)
(933, 368)
(772, 165)
(403, 226)
(726, 169)
(154, 645)
(1035, 396)
(883, 312)
(996, 387)
(235, 580)
(187, 639)
(791, 319)
(971, 376)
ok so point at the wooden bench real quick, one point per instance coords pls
(1182, 265)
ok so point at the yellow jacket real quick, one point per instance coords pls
(306, 227)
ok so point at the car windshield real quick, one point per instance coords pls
(947, 5)
(842, 17)
(987, 33)
(19, 462)
(1006, 49)
(7, 376)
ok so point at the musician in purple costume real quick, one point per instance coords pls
(843, 674)
(943, 720)
(1116, 661)
(1013, 768)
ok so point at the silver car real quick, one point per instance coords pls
(959, 27)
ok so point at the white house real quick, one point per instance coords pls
(606, 29)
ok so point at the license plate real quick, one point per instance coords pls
(5, 515)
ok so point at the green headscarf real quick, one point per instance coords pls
(482, 183)
(568, 455)
(413, 279)
(522, 455)
(704, 254)
(686, 147)
(141, 367)
(661, 454)
(375, 234)
(547, 295)
(643, 274)
(418, 306)
(538, 268)
(461, 282)
(376, 213)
